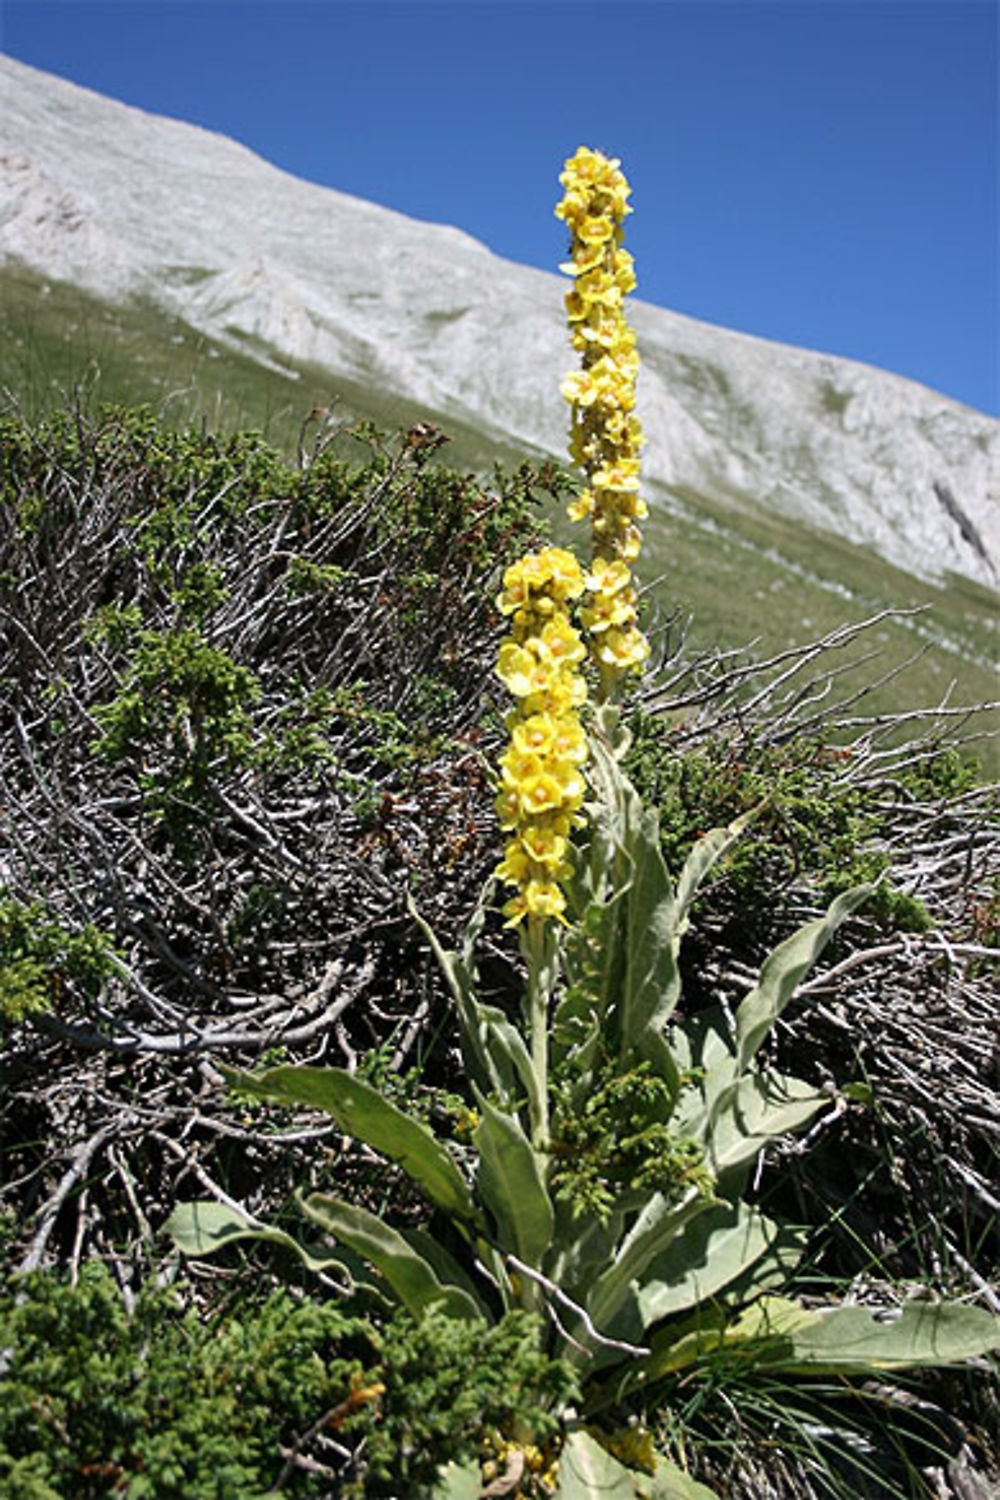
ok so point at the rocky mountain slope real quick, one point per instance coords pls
(134, 208)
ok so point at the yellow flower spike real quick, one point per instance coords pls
(605, 436)
(542, 789)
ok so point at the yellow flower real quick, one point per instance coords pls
(559, 642)
(581, 505)
(540, 793)
(608, 576)
(518, 766)
(623, 476)
(607, 611)
(624, 648)
(534, 735)
(544, 844)
(629, 544)
(594, 229)
(544, 898)
(515, 667)
(565, 573)
(508, 808)
(563, 693)
(580, 388)
(516, 866)
(569, 742)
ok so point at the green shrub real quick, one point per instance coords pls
(165, 1405)
(39, 957)
(811, 822)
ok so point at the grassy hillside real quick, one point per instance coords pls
(741, 579)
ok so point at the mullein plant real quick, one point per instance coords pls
(612, 1144)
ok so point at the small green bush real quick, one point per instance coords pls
(39, 956)
(811, 823)
(165, 1405)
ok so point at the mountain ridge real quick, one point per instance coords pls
(287, 270)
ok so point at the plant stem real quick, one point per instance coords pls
(539, 987)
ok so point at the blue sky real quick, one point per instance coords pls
(823, 172)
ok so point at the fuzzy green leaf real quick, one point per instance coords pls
(458, 1482)
(593, 971)
(587, 1471)
(723, 1246)
(657, 1225)
(856, 1340)
(446, 1268)
(652, 979)
(776, 1334)
(361, 1111)
(410, 1275)
(761, 1107)
(784, 970)
(200, 1229)
(511, 1185)
(459, 972)
(705, 854)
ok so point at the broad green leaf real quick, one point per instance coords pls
(652, 979)
(410, 1275)
(679, 1345)
(705, 854)
(605, 868)
(776, 1334)
(584, 1246)
(360, 1110)
(200, 1229)
(446, 1268)
(459, 973)
(702, 1044)
(784, 970)
(511, 1185)
(758, 1109)
(856, 1340)
(508, 1050)
(458, 1482)
(593, 966)
(650, 1235)
(587, 1471)
(719, 1248)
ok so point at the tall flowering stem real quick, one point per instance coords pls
(542, 787)
(605, 434)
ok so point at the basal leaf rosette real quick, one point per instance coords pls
(542, 787)
(605, 434)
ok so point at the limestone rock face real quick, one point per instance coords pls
(126, 204)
